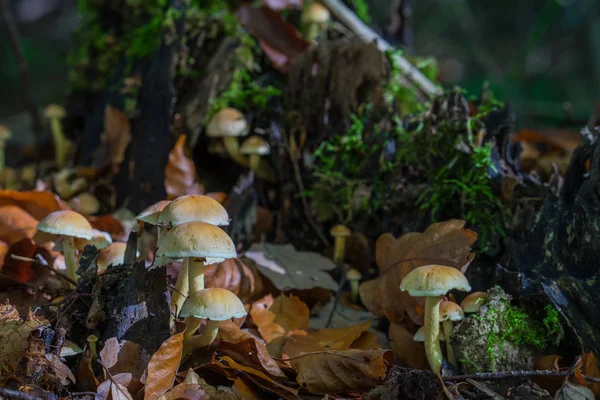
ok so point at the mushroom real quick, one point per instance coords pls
(473, 302)
(189, 208)
(92, 342)
(450, 312)
(198, 243)
(354, 276)
(70, 225)
(216, 146)
(433, 281)
(339, 233)
(214, 305)
(229, 124)
(150, 216)
(85, 204)
(55, 113)
(111, 255)
(255, 147)
(100, 240)
(420, 335)
(221, 197)
(315, 18)
(4, 136)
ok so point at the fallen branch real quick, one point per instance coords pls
(492, 376)
(40, 261)
(352, 22)
(15, 394)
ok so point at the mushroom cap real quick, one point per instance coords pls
(472, 303)
(5, 133)
(221, 197)
(420, 335)
(85, 204)
(193, 207)
(111, 255)
(99, 241)
(150, 214)
(66, 223)
(197, 239)
(450, 311)
(216, 304)
(255, 145)
(227, 122)
(316, 13)
(55, 111)
(353, 275)
(434, 280)
(216, 146)
(340, 231)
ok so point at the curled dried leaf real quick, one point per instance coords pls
(180, 172)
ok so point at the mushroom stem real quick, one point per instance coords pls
(157, 235)
(339, 251)
(254, 162)
(354, 284)
(449, 349)
(432, 332)
(196, 275)
(70, 258)
(60, 142)
(191, 326)
(196, 342)
(181, 289)
(2, 156)
(312, 31)
(92, 340)
(233, 149)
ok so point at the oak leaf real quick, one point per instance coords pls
(124, 357)
(447, 243)
(105, 388)
(163, 366)
(180, 173)
(16, 224)
(342, 371)
(278, 318)
(233, 274)
(37, 203)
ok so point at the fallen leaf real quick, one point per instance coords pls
(109, 224)
(16, 224)
(185, 391)
(233, 274)
(104, 389)
(37, 203)
(406, 349)
(345, 371)
(446, 243)
(588, 365)
(124, 357)
(324, 340)
(574, 392)
(23, 271)
(117, 133)
(86, 379)
(367, 340)
(180, 173)
(119, 392)
(288, 268)
(163, 366)
(279, 318)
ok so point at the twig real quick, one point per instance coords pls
(17, 49)
(350, 20)
(492, 376)
(338, 294)
(15, 394)
(40, 261)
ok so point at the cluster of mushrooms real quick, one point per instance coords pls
(433, 282)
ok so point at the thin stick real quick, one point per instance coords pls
(490, 376)
(15, 394)
(17, 49)
(352, 22)
(40, 261)
(338, 295)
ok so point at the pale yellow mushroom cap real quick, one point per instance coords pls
(340, 231)
(316, 13)
(353, 275)
(472, 303)
(193, 207)
(255, 145)
(450, 311)
(227, 122)
(66, 223)
(111, 255)
(150, 215)
(434, 280)
(55, 111)
(216, 304)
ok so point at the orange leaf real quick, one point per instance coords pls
(180, 173)
(346, 371)
(186, 391)
(405, 348)
(324, 339)
(23, 271)
(38, 204)
(124, 357)
(233, 274)
(86, 380)
(108, 223)
(446, 243)
(163, 366)
(16, 224)
(367, 340)
(589, 366)
(277, 319)
(117, 133)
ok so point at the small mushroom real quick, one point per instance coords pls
(111, 255)
(420, 335)
(150, 216)
(315, 18)
(70, 225)
(92, 342)
(339, 233)
(473, 302)
(85, 204)
(4, 136)
(431, 282)
(450, 312)
(255, 147)
(214, 305)
(55, 114)
(229, 124)
(354, 276)
(221, 197)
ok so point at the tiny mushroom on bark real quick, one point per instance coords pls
(354, 276)
(69, 225)
(255, 147)
(450, 312)
(339, 233)
(111, 255)
(473, 302)
(4, 136)
(150, 216)
(229, 124)
(315, 18)
(431, 282)
(214, 305)
(55, 113)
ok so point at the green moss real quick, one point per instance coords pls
(361, 9)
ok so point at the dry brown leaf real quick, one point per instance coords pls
(37, 203)
(345, 371)
(446, 243)
(185, 391)
(180, 173)
(588, 365)
(104, 389)
(366, 341)
(405, 348)
(163, 366)
(86, 379)
(39, 367)
(111, 225)
(278, 318)
(16, 224)
(117, 133)
(124, 357)
(233, 274)
(23, 271)
(324, 339)
(3, 250)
